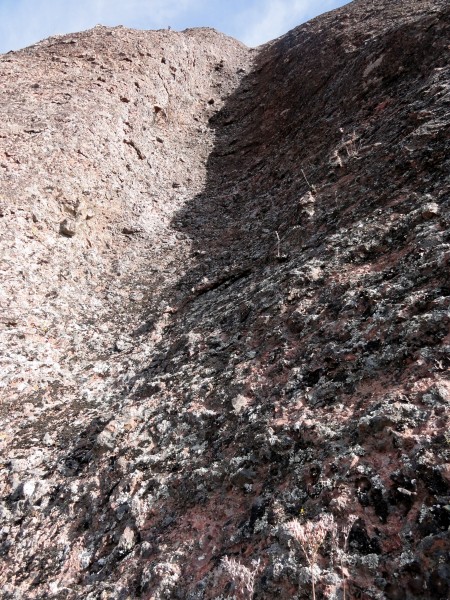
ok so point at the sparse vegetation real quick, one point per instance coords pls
(243, 577)
(310, 537)
(341, 550)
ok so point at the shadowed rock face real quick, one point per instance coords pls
(225, 305)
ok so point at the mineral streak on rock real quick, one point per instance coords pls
(225, 305)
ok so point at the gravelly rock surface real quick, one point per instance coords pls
(225, 305)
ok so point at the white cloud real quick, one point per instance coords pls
(23, 22)
(273, 18)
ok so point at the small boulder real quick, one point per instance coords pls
(68, 227)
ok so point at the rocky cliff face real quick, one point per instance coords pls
(225, 307)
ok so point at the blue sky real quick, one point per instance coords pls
(24, 22)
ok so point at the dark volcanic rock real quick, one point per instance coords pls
(226, 305)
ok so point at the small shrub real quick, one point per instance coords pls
(243, 577)
(310, 536)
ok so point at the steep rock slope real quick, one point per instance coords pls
(288, 355)
(104, 136)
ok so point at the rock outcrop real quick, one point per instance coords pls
(225, 307)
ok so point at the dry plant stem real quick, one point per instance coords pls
(306, 179)
(313, 583)
(344, 582)
(346, 532)
(310, 537)
(241, 575)
(351, 147)
(278, 244)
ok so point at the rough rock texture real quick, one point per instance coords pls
(226, 304)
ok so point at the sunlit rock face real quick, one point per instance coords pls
(225, 312)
